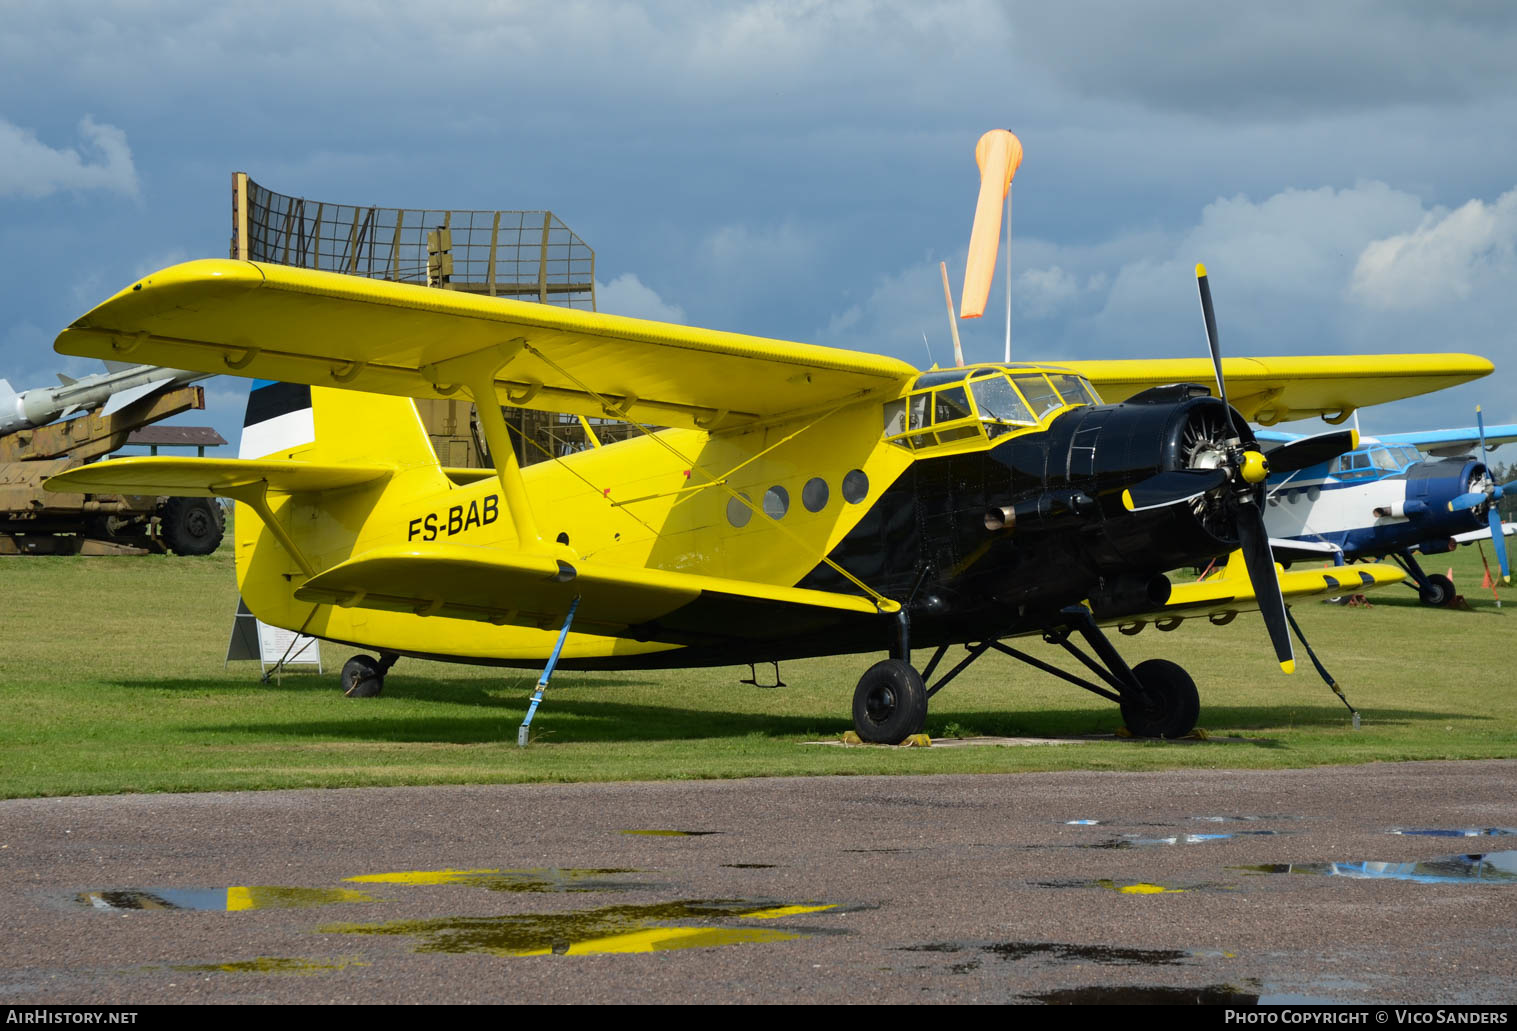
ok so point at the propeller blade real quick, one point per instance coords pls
(1254, 539)
(1309, 451)
(1465, 502)
(1209, 316)
(1171, 488)
(1480, 421)
(1498, 542)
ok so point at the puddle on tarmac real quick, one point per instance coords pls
(672, 834)
(615, 929)
(1130, 840)
(882, 851)
(1139, 995)
(1139, 888)
(1490, 868)
(1110, 955)
(1083, 823)
(224, 900)
(272, 965)
(1469, 832)
(544, 879)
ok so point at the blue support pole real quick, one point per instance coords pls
(525, 729)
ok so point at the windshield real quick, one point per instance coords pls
(997, 399)
(1040, 394)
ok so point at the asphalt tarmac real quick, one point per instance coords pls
(1217, 886)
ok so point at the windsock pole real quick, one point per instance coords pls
(953, 325)
(1008, 275)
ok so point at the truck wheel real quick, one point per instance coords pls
(192, 526)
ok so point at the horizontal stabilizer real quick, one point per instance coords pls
(210, 477)
(522, 589)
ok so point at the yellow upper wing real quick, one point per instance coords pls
(303, 326)
(1271, 390)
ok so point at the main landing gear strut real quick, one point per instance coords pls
(1157, 697)
(1432, 588)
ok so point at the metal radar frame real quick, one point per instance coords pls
(520, 255)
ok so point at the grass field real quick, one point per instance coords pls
(112, 680)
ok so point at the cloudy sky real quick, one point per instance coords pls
(1347, 171)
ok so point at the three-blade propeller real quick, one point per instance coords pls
(1492, 493)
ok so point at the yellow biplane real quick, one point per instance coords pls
(795, 500)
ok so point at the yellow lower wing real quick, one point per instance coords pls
(1230, 590)
(211, 477)
(515, 588)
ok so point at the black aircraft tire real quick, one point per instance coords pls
(890, 703)
(193, 526)
(1175, 706)
(1439, 590)
(361, 677)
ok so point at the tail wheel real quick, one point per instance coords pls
(361, 677)
(193, 526)
(890, 703)
(1172, 705)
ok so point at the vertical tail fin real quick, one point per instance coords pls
(324, 424)
(278, 420)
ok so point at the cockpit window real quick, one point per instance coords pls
(984, 403)
(950, 404)
(918, 414)
(1039, 393)
(1074, 390)
(1383, 459)
(997, 399)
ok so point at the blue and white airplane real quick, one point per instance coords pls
(1387, 498)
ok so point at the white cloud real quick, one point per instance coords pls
(1446, 258)
(627, 295)
(30, 168)
(1039, 292)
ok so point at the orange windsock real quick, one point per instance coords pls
(999, 154)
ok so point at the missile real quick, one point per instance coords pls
(114, 389)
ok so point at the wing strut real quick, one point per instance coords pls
(256, 497)
(475, 373)
(884, 604)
